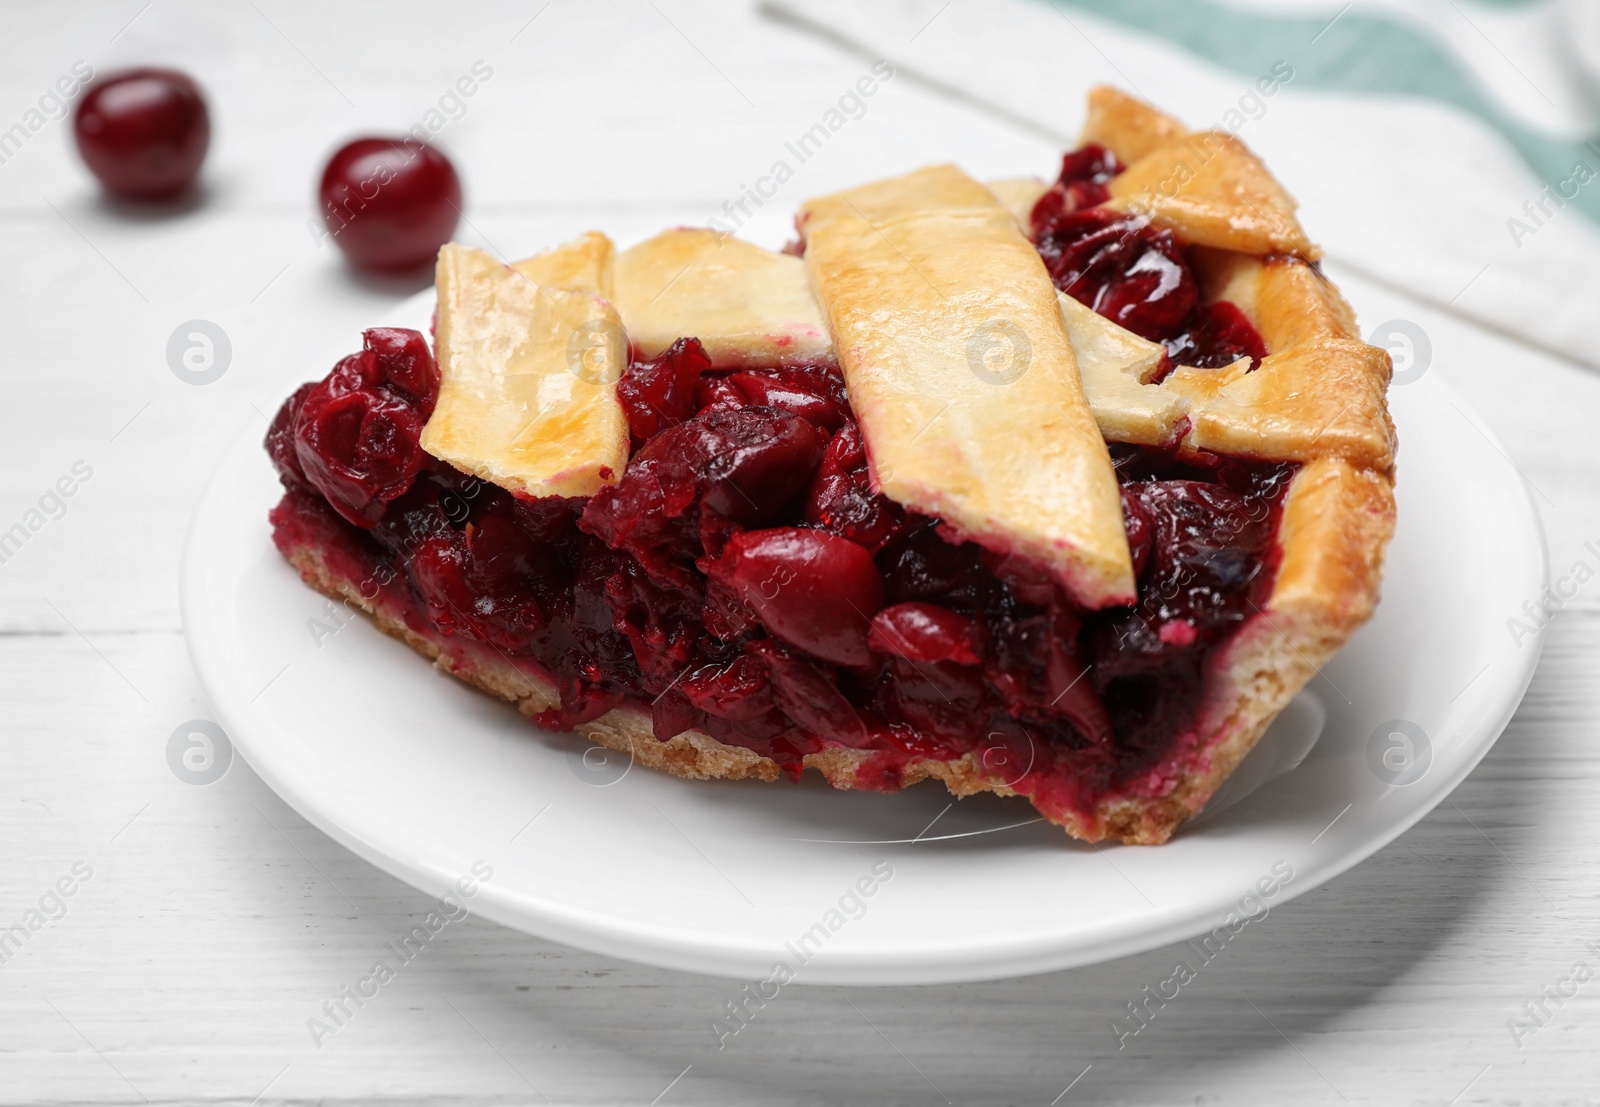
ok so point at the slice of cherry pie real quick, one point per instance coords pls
(1060, 491)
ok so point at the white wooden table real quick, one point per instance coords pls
(206, 924)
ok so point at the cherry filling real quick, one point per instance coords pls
(354, 434)
(1084, 183)
(1132, 272)
(742, 577)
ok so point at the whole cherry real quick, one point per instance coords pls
(811, 589)
(143, 132)
(390, 203)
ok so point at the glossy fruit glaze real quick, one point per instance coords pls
(1129, 270)
(390, 203)
(143, 132)
(742, 577)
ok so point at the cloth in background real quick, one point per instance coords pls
(1448, 149)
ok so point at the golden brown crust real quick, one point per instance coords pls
(1337, 521)
(582, 265)
(1321, 391)
(1210, 190)
(1129, 128)
(1018, 195)
(1318, 398)
(1336, 525)
(1313, 400)
(924, 280)
(746, 305)
(1116, 367)
(1285, 297)
(1324, 395)
(527, 380)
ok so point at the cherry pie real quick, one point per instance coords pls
(1054, 490)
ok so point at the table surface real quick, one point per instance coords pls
(214, 921)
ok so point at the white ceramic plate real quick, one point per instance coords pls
(423, 776)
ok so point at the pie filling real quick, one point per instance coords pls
(743, 578)
(1131, 271)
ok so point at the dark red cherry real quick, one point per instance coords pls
(748, 463)
(941, 699)
(925, 632)
(841, 498)
(505, 557)
(660, 392)
(1206, 542)
(406, 363)
(809, 697)
(1124, 267)
(143, 132)
(439, 569)
(1090, 164)
(1137, 526)
(1219, 334)
(353, 435)
(280, 437)
(809, 588)
(1085, 179)
(390, 203)
(808, 399)
(718, 394)
(359, 449)
(738, 690)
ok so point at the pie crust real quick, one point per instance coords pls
(746, 305)
(528, 373)
(962, 376)
(1317, 399)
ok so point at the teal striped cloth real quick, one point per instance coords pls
(1450, 149)
(1396, 50)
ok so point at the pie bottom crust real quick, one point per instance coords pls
(1336, 523)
